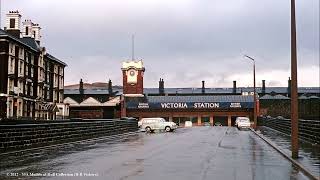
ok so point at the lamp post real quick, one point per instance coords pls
(294, 88)
(254, 93)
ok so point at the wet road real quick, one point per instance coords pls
(309, 155)
(189, 153)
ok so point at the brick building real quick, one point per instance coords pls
(97, 103)
(198, 107)
(32, 80)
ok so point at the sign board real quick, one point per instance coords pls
(189, 105)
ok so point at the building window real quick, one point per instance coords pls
(20, 67)
(11, 65)
(12, 23)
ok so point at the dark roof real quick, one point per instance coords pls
(280, 90)
(31, 43)
(86, 91)
(19, 40)
(55, 59)
(187, 91)
(223, 98)
(274, 97)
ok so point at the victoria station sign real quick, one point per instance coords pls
(190, 105)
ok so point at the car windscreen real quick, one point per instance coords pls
(244, 120)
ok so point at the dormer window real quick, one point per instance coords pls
(12, 23)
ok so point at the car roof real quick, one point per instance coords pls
(150, 118)
(242, 118)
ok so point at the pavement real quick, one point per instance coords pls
(198, 153)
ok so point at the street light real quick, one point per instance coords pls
(254, 93)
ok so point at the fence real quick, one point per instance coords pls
(309, 130)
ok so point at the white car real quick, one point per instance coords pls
(242, 122)
(151, 124)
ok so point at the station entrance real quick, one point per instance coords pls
(197, 118)
(200, 110)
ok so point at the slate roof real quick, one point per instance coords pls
(55, 59)
(91, 91)
(153, 91)
(29, 42)
(87, 91)
(3, 33)
(281, 90)
(274, 97)
(223, 98)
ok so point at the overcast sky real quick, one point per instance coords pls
(181, 41)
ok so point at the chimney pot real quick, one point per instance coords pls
(263, 90)
(203, 87)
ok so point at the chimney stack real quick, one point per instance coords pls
(27, 28)
(234, 89)
(289, 87)
(203, 89)
(81, 90)
(161, 86)
(263, 89)
(13, 22)
(110, 88)
(36, 32)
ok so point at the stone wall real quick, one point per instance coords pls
(23, 136)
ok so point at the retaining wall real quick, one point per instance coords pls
(23, 136)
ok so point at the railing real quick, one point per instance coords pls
(309, 130)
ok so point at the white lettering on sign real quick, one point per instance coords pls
(235, 105)
(143, 105)
(174, 105)
(205, 105)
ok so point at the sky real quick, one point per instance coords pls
(181, 41)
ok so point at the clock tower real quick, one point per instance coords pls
(132, 72)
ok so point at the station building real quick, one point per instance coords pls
(198, 107)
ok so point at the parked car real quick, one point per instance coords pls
(206, 124)
(242, 122)
(217, 124)
(151, 124)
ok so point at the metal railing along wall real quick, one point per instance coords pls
(309, 130)
(24, 136)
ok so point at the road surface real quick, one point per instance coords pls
(198, 153)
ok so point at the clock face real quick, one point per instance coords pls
(132, 76)
(132, 73)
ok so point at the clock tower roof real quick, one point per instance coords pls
(138, 65)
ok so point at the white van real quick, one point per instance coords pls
(242, 122)
(151, 124)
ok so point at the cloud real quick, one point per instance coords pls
(182, 41)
